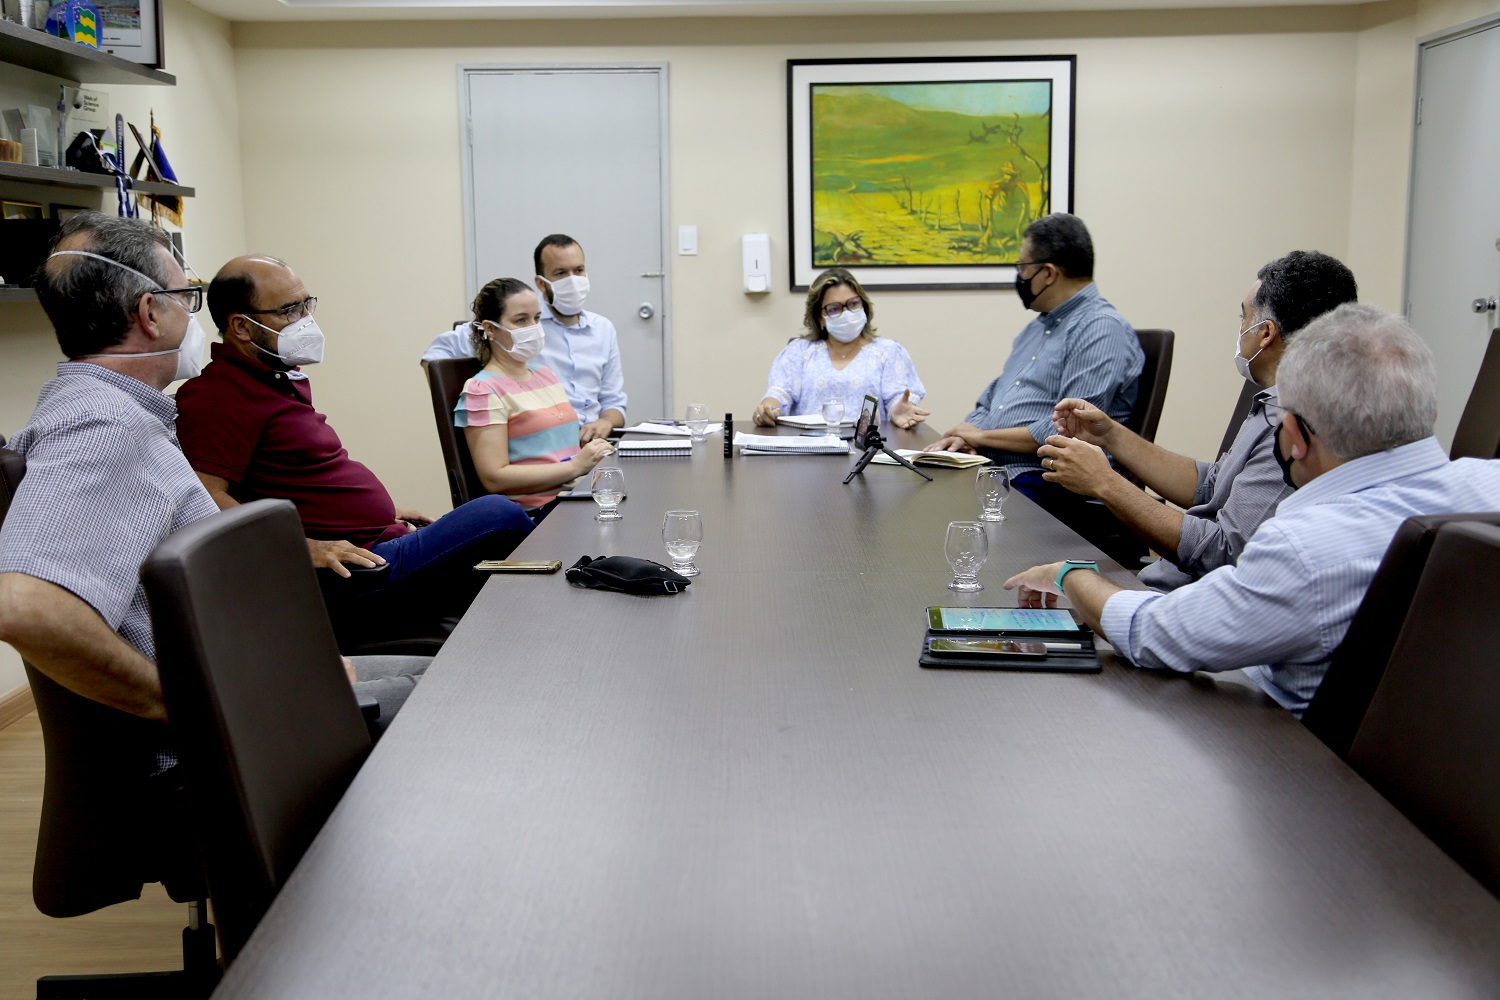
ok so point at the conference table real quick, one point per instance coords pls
(752, 789)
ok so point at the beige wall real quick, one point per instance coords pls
(200, 128)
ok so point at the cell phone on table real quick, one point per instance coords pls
(518, 566)
(1056, 622)
(988, 648)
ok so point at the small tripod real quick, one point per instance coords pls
(874, 443)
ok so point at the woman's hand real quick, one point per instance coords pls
(592, 453)
(766, 413)
(906, 414)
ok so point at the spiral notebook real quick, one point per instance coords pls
(660, 448)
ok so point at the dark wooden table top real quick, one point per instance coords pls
(752, 790)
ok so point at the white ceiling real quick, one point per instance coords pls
(306, 10)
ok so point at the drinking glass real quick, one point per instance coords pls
(696, 419)
(608, 486)
(682, 533)
(992, 484)
(966, 548)
(833, 415)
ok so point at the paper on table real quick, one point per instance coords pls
(665, 430)
(946, 459)
(766, 444)
(809, 422)
(675, 444)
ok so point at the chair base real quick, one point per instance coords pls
(199, 975)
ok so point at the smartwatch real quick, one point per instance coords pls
(1070, 565)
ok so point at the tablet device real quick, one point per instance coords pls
(1005, 621)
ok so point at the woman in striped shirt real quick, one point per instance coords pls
(521, 429)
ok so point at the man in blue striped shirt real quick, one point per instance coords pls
(1079, 347)
(1358, 396)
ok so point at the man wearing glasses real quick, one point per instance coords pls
(1353, 437)
(1079, 347)
(250, 431)
(1223, 503)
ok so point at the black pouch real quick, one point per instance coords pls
(627, 574)
(84, 154)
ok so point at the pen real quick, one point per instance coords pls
(664, 423)
(1063, 647)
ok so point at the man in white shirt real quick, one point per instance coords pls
(582, 348)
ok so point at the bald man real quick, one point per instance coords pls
(250, 431)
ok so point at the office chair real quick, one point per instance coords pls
(107, 828)
(1151, 390)
(446, 380)
(1478, 431)
(269, 733)
(1429, 742)
(1355, 669)
(1237, 418)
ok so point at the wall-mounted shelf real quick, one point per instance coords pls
(35, 50)
(60, 177)
(17, 295)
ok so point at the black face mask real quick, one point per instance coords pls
(1023, 289)
(1283, 460)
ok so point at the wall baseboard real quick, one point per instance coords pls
(14, 704)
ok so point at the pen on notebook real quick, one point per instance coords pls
(1063, 647)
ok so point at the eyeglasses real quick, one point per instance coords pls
(854, 305)
(291, 312)
(1273, 413)
(191, 296)
(1031, 263)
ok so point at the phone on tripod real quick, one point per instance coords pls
(869, 414)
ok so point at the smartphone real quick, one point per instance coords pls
(868, 414)
(518, 566)
(988, 648)
(993, 621)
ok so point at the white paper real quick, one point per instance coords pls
(810, 422)
(665, 430)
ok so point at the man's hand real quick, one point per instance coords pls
(950, 442)
(333, 555)
(594, 429)
(415, 518)
(1078, 418)
(906, 414)
(1037, 586)
(766, 413)
(1080, 466)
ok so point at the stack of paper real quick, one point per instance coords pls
(810, 422)
(945, 459)
(663, 429)
(765, 444)
(655, 447)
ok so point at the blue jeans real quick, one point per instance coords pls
(487, 528)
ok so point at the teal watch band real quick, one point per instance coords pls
(1070, 565)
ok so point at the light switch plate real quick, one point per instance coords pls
(687, 240)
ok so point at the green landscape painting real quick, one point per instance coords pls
(928, 173)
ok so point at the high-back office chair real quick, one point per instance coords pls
(106, 828)
(1151, 390)
(446, 380)
(1237, 418)
(268, 731)
(1478, 431)
(1356, 667)
(1429, 742)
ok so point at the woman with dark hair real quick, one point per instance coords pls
(840, 358)
(521, 429)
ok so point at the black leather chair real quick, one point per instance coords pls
(269, 732)
(1356, 667)
(1151, 390)
(446, 380)
(1430, 742)
(107, 827)
(1237, 418)
(1478, 431)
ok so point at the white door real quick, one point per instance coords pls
(579, 150)
(1453, 238)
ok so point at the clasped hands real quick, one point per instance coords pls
(904, 413)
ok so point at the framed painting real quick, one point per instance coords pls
(924, 173)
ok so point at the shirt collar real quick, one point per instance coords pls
(1084, 295)
(1260, 399)
(548, 314)
(255, 367)
(153, 401)
(1370, 470)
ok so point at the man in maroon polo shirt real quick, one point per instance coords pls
(249, 430)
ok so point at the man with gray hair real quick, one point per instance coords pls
(1353, 437)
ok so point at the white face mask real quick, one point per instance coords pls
(189, 352)
(526, 341)
(568, 293)
(298, 344)
(846, 326)
(1241, 363)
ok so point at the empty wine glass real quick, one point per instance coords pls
(608, 487)
(682, 533)
(833, 415)
(992, 484)
(696, 419)
(966, 548)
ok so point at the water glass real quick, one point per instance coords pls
(608, 486)
(696, 419)
(682, 533)
(992, 484)
(833, 415)
(966, 548)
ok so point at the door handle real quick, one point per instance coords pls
(1484, 305)
(646, 311)
(653, 274)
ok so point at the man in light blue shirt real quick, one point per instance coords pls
(581, 348)
(1358, 397)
